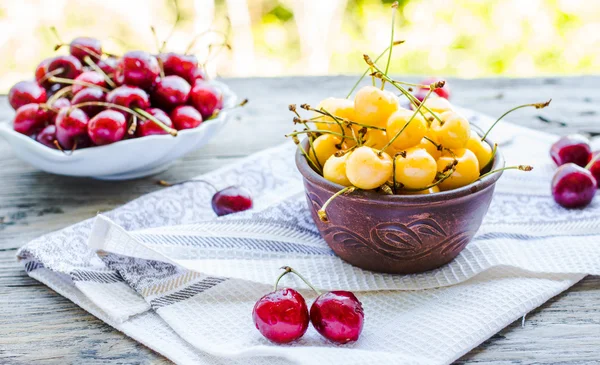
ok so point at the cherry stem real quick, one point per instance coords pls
(437, 145)
(218, 111)
(51, 74)
(321, 212)
(199, 35)
(535, 105)
(133, 126)
(168, 184)
(163, 126)
(177, 20)
(369, 68)
(55, 33)
(97, 68)
(322, 111)
(59, 147)
(306, 155)
(519, 167)
(62, 80)
(592, 161)
(389, 60)
(289, 269)
(442, 178)
(494, 150)
(58, 95)
(83, 48)
(155, 36)
(324, 131)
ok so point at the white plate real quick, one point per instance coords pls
(121, 160)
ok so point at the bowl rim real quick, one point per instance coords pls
(229, 100)
(443, 196)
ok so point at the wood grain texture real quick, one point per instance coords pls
(39, 326)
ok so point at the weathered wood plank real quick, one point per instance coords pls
(37, 325)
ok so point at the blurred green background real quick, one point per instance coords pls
(466, 38)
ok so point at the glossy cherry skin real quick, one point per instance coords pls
(26, 92)
(338, 316)
(281, 316)
(30, 118)
(573, 186)
(40, 72)
(232, 199)
(170, 92)
(147, 127)
(71, 124)
(71, 67)
(185, 117)
(57, 105)
(197, 74)
(107, 127)
(47, 136)
(88, 77)
(443, 92)
(137, 68)
(180, 65)
(573, 148)
(108, 65)
(205, 98)
(595, 167)
(129, 96)
(85, 46)
(90, 94)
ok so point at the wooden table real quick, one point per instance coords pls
(38, 325)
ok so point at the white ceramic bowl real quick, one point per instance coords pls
(122, 160)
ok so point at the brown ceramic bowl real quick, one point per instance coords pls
(400, 234)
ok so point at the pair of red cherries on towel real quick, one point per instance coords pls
(282, 316)
(576, 180)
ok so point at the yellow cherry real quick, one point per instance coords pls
(375, 138)
(431, 190)
(480, 148)
(455, 131)
(324, 146)
(435, 104)
(334, 170)
(368, 170)
(415, 169)
(374, 106)
(466, 171)
(412, 134)
(342, 108)
(428, 146)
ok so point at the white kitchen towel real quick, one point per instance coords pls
(196, 278)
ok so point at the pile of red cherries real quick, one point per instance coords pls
(87, 98)
(576, 180)
(282, 316)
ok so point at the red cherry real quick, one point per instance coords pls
(41, 71)
(107, 127)
(595, 167)
(53, 89)
(206, 98)
(574, 148)
(137, 68)
(197, 74)
(185, 117)
(69, 65)
(147, 127)
(170, 92)
(573, 186)
(90, 94)
(108, 65)
(57, 105)
(85, 46)
(71, 124)
(88, 77)
(47, 136)
(26, 92)
(281, 316)
(179, 65)
(30, 118)
(129, 96)
(443, 92)
(338, 316)
(232, 199)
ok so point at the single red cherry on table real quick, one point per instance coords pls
(282, 315)
(71, 126)
(232, 199)
(85, 46)
(573, 148)
(573, 186)
(443, 92)
(87, 79)
(26, 92)
(206, 98)
(170, 92)
(338, 316)
(67, 67)
(30, 118)
(147, 127)
(90, 94)
(107, 127)
(47, 136)
(595, 166)
(137, 68)
(185, 117)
